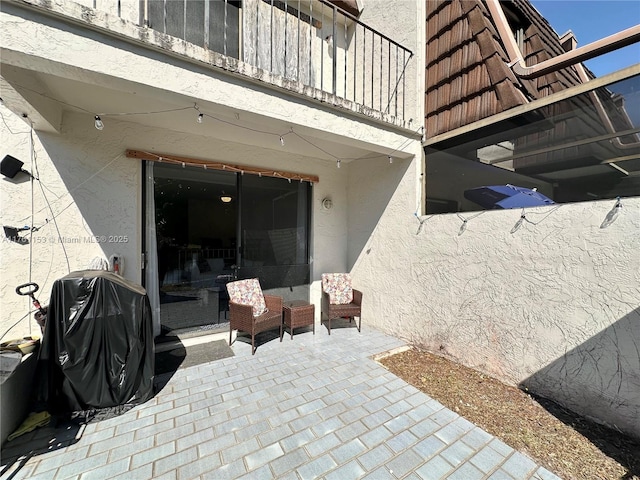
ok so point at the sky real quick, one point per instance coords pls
(591, 20)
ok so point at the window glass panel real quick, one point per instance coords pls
(196, 240)
(274, 231)
(582, 148)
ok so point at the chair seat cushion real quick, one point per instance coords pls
(338, 287)
(248, 292)
(348, 310)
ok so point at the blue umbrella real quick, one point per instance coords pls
(506, 196)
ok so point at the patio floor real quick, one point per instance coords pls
(317, 406)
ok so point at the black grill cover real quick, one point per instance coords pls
(97, 350)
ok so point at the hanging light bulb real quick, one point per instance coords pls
(390, 159)
(200, 117)
(338, 163)
(281, 140)
(518, 223)
(613, 214)
(98, 122)
(463, 227)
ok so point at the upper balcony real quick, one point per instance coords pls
(308, 47)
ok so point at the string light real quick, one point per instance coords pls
(519, 222)
(465, 222)
(422, 220)
(463, 227)
(200, 118)
(613, 214)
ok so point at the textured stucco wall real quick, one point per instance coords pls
(40, 44)
(92, 193)
(554, 306)
(404, 23)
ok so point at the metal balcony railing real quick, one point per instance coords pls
(312, 42)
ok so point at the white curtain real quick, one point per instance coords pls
(151, 268)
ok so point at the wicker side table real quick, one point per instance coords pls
(298, 313)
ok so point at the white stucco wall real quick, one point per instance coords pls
(93, 192)
(112, 198)
(404, 23)
(554, 306)
(96, 194)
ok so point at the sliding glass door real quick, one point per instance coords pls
(214, 226)
(195, 215)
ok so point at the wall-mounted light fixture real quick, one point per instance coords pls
(11, 166)
(327, 203)
(12, 234)
(329, 40)
(225, 198)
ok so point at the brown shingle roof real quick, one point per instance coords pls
(467, 72)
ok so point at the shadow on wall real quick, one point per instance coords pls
(600, 378)
(370, 191)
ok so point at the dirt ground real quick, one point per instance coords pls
(566, 444)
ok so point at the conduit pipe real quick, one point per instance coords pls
(516, 61)
(603, 114)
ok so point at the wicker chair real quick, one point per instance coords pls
(251, 311)
(339, 299)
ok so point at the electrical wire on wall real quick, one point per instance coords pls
(34, 176)
(69, 192)
(46, 199)
(523, 218)
(31, 180)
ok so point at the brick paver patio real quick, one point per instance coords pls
(318, 406)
